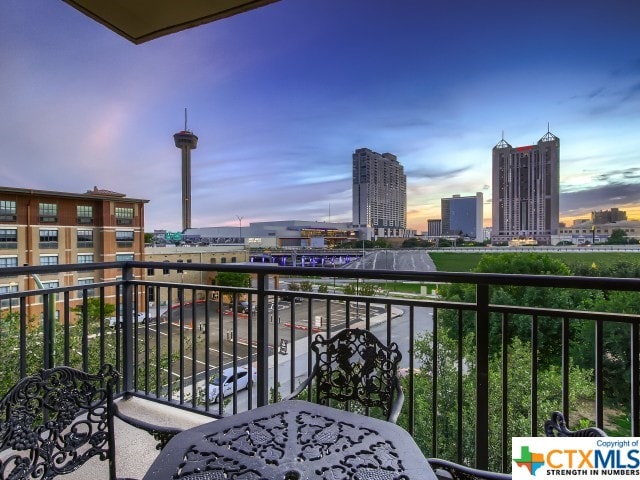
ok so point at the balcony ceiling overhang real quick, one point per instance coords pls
(142, 20)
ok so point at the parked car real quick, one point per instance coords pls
(227, 382)
(243, 307)
(140, 318)
(290, 298)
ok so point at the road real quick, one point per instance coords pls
(423, 321)
(399, 260)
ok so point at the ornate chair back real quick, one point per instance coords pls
(354, 366)
(52, 422)
(557, 427)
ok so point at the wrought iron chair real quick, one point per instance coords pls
(354, 366)
(53, 422)
(557, 427)
(446, 470)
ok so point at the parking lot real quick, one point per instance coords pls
(235, 336)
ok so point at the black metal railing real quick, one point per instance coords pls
(171, 338)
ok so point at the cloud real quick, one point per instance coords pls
(631, 173)
(434, 173)
(602, 197)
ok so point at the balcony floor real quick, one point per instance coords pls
(135, 449)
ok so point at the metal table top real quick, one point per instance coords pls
(293, 440)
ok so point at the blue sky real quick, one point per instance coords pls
(280, 97)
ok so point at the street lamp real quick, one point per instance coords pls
(242, 239)
(49, 329)
(240, 220)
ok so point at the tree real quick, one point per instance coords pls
(448, 408)
(10, 351)
(412, 242)
(94, 311)
(233, 279)
(381, 243)
(618, 237)
(363, 288)
(519, 325)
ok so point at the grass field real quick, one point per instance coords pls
(464, 262)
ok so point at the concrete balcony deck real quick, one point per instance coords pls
(135, 448)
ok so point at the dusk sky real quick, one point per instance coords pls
(280, 98)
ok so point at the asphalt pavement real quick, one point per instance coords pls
(398, 260)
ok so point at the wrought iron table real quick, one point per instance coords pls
(292, 440)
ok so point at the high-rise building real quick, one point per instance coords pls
(186, 141)
(462, 216)
(526, 191)
(379, 194)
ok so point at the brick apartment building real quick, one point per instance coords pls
(40, 227)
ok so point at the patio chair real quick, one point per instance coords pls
(354, 366)
(446, 470)
(53, 422)
(557, 427)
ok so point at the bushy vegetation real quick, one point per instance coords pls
(451, 411)
(454, 379)
(69, 342)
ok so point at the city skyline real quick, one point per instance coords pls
(282, 96)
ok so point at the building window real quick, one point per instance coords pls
(213, 260)
(6, 262)
(85, 214)
(223, 260)
(86, 281)
(48, 259)
(85, 238)
(180, 270)
(233, 259)
(165, 271)
(124, 257)
(48, 212)
(85, 258)
(48, 238)
(13, 302)
(124, 238)
(124, 216)
(7, 211)
(8, 238)
(150, 272)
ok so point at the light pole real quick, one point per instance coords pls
(49, 328)
(240, 220)
(241, 239)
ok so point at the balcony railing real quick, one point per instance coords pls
(460, 373)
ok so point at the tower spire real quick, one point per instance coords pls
(186, 141)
